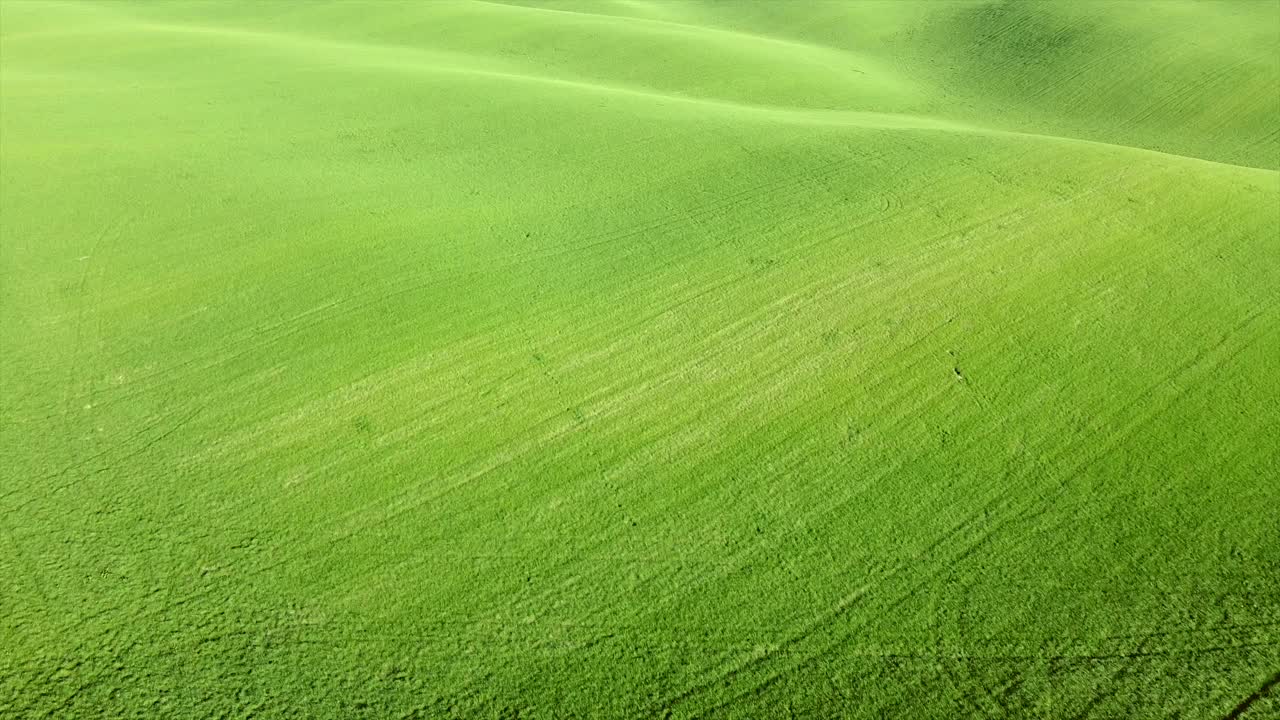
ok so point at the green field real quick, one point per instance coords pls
(640, 359)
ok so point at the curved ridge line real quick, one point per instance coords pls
(869, 119)
(404, 61)
(683, 27)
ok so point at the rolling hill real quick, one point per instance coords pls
(640, 359)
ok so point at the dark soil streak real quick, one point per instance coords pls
(1243, 707)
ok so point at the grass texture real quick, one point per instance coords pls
(640, 359)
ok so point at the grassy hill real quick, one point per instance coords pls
(631, 359)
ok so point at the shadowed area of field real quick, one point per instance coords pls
(639, 359)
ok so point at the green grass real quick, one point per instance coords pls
(621, 359)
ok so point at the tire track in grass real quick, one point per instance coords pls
(618, 410)
(1194, 364)
(143, 438)
(1263, 691)
(970, 548)
(406, 490)
(26, 566)
(105, 237)
(821, 281)
(690, 299)
(1107, 690)
(1104, 693)
(270, 338)
(1120, 438)
(1140, 652)
(791, 645)
(918, 341)
(805, 659)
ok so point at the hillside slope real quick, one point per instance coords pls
(627, 358)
